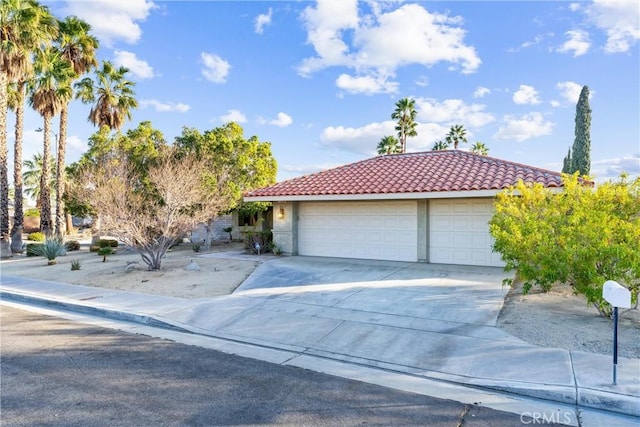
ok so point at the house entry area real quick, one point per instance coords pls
(457, 231)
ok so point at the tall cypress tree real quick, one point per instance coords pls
(581, 151)
(567, 164)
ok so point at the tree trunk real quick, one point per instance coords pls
(18, 211)
(69, 220)
(5, 246)
(45, 178)
(208, 239)
(60, 175)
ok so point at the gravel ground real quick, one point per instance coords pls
(561, 319)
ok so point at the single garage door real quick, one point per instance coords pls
(368, 230)
(459, 232)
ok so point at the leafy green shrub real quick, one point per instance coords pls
(72, 245)
(111, 243)
(76, 264)
(36, 237)
(34, 249)
(581, 236)
(32, 213)
(105, 251)
(196, 247)
(254, 238)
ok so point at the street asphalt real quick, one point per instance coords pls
(416, 327)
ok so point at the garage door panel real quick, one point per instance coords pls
(459, 232)
(369, 230)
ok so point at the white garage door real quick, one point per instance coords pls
(459, 232)
(368, 230)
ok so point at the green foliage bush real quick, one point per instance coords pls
(105, 251)
(583, 236)
(36, 237)
(32, 213)
(76, 264)
(34, 249)
(72, 245)
(111, 243)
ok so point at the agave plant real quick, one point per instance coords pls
(51, 249)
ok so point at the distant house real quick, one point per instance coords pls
(427, 207)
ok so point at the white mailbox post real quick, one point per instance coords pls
(618, 296)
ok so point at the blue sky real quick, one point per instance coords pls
(319, 80)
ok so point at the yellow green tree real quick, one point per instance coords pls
(583, 235)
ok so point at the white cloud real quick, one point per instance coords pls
(215, 68)
(578, 43)
(138, 67)
(283, 120)
(526, 95)
(376, 45)
(620, 19)
(112, 20)
(307, 169)
(163, 107)
(76, 145)
(524, 127)
(366, 84)
(452, 111)
(612, 168)
(422, 81)
(263, 20)
(481, 92)
(233, 116)
(362, 140)
(570, 91)
(574, 6)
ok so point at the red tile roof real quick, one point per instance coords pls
(431, 171)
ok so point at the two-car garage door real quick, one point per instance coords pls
(368, 230)
(458, 232)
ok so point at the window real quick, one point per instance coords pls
(247, 219)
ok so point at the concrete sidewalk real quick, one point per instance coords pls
(419, 320)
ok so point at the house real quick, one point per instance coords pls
(427, 207)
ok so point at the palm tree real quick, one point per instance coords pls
(457, 134)
(51, 89)
(78, 47)
(439, 146)
(480, 148)
(405, 113)
(113, 99)
(112, 96)
(31, 178)
(389, 145)
(25, 26)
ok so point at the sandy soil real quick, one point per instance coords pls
(554, 319)
(125, 270)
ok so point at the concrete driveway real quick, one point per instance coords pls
(428, 295)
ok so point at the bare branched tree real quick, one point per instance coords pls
(153, 213)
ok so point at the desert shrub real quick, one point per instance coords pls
(581, 236)
(50, 249)
(33, 249)
(105, 251)
(94, 248)
(263, 238)
(36, 237)
(111, 243)
(196, 247)
(76, 264)
(32, 213)
(72, 245)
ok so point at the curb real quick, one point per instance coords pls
(613, 403)
(92, 310)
